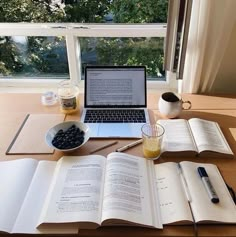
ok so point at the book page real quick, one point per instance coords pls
(15, 176)
(76, 191)
(173, 201)
(177, 136)
(127, 191)
(26, 221)
(28, 217)
(203, 209)
(208, 136)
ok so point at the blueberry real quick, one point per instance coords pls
(68, 139)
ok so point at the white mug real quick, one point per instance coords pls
(170, 105)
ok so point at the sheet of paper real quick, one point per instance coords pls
(177, 136)
(15, 179)
(208, 136)
(75, 194)
(30, 138)
(27, 218)
(31, 208)
(202, 207)
(173, 201)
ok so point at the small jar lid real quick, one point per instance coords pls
(49, 98)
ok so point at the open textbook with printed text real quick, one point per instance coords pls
(194, 136)
(79, 192)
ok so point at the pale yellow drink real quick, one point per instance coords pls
(151, 148)
(152, 135)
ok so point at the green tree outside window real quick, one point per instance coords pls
(44, 52)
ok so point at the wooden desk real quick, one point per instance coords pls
(14, 108)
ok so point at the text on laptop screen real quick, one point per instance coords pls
(115, 86)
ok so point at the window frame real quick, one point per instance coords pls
(71, 32)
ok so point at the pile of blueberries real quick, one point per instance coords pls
(68, 139)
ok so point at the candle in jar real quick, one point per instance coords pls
(68, 94)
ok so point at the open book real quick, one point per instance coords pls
(91, 191)
(24, 185)
(194, 136)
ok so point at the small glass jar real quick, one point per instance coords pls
(49, 98)
(68, 95)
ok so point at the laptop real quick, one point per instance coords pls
(115, 101)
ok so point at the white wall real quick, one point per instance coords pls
(225, 82)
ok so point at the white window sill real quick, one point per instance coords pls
(41, 86)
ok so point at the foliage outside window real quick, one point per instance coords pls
(125, 51)
(47, 55)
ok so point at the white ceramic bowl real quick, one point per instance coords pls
(65, 126)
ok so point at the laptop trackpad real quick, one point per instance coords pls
(118, 130)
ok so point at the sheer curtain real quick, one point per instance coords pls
(211, 24)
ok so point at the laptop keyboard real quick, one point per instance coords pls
(115, 116)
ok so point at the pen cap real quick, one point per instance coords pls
(202, 172)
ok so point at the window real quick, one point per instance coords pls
(125, 51)
(33, 57)
(65, 38)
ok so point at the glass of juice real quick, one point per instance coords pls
(152, 135)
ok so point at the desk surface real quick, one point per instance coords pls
(14, 108)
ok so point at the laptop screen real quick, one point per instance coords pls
(115, 86)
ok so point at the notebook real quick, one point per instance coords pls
(119, 90)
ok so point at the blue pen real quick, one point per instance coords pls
(208, 185)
